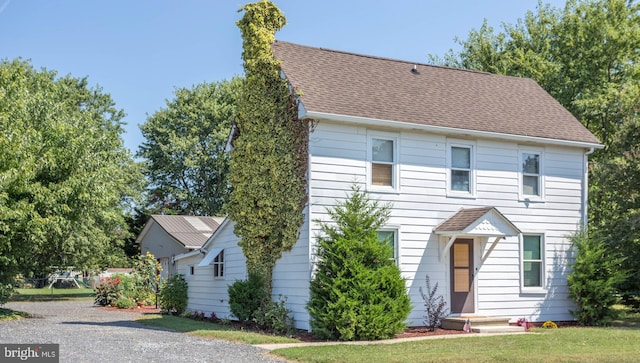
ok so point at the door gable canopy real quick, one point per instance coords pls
(472, 222)
(476, 222)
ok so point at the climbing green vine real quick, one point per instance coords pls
(268, 165)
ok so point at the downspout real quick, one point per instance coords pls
(585, 187)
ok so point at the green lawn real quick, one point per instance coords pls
(46, 294)
(210, 330)
(557, 345)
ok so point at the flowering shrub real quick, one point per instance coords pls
(550, 325)
(108, 291)
(521, 321)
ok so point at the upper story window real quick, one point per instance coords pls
(533, 262)
(218, 265)
(531, 175)
(383, 158)
(461, 175)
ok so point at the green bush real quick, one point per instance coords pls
(6, 290)
(124, 303)
(357, 292)
(173, 294)
(247, 296)
(276, 317)
(593, 281)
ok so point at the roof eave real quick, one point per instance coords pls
(449, 130)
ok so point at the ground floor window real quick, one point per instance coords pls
(532, 261)
(390, 236)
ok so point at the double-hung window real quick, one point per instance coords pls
(533, 268)
(218, 265)
(383, 162)
(390, 237)
(531, 169)
(461, 176)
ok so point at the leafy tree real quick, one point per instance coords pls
(65, 176)
(586, 56)
(616, 219)
(185, 149)
(593, 280)
(357, 292)
(268, 164)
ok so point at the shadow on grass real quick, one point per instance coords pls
(211, 330)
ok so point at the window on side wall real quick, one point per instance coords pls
(383, 162)
(390, 237)
(533, 268)
(532, 186)
(218, 265)
(461, 174)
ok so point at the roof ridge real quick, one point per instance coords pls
(398, 60)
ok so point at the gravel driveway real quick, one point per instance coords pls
(87, 333)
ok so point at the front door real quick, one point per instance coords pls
(462, 296)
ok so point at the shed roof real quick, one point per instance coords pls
(341, 83)
(190, 231)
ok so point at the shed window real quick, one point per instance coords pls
(218, 265)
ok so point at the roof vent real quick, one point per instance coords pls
(414, 70)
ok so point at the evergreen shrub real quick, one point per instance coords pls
(593, 281)
(247, 296)
(357, 292)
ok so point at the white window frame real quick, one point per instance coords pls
(396, 241)
(521, 175)
(472, 169)
(543, 266)
(395, 177)
(218, 265)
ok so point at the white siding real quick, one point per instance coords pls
(290, 277)
(207, 293)
(422, 203)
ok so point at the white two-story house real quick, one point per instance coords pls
(486, 174)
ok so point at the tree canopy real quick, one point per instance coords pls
(186, 162)
(65, 176)
(587, 57)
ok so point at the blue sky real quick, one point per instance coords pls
(139, 51)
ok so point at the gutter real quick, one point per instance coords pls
(448, 130)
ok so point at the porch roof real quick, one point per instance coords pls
(485, 221)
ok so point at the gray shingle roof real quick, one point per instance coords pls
(191, 231)
(462, 219)
(342, 83)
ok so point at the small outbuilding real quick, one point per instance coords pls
(169, 235)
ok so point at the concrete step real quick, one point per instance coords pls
(457, 322)
(488, 329)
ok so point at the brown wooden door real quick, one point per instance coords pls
(462, 296)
